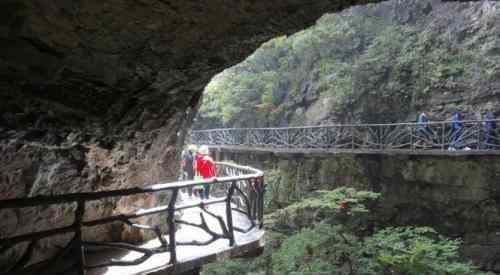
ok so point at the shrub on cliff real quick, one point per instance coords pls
(344, 205)
(414, 251)
(333, 250)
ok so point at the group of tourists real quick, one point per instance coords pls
(457, 128)
(197, 162)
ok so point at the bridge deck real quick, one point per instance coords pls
(189, 257)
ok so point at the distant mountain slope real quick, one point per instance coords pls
(377, 63)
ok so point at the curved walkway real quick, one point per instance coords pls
(191, 256)
(192, 231)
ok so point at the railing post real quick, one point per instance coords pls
(379, 138)
(262, 191)
(241, 138)
(412, 147)
(443, 132)
(80, 253)
(478, 147)
(171, 226)
(327, 139)
(246, 137)
(287, 141)
(255, 200)
(210, 138)
(229, 213)
(352, 137)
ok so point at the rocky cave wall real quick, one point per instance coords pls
(457, 195)
(96, 95)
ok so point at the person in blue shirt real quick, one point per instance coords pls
(490, 126)
(457, 127)
(423, 130)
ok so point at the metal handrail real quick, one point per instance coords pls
(441, 135)
(92, 196)
(245, 183)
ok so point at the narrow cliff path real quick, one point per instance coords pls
(189, 256)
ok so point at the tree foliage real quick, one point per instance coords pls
(327, 249)
(415, 251)
(368, 65)
(346, 199)
(335, 247)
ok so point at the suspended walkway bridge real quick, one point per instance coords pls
(193, 231)
(441, 138)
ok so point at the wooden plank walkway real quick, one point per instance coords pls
(189, 257)
(199, 231)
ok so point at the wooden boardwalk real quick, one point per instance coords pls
(189, 257)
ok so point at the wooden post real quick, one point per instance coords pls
(79, 249)
(443, 129)
(229, 213)
(210, 138)
(411, 139)
(171, 226)
(327, 138)
(352, 138)
(478, 146)
(288, 138)
(379, 138)
(262, 190)
(247, 137)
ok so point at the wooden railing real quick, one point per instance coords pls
(443, 135)
(240, 188)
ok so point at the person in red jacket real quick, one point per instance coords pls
(205, 165)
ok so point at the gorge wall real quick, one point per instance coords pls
(377, 63)
(457, 195)
(96, 95)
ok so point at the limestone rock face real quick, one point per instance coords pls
(96, 95)
(457, 195)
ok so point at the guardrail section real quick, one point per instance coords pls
(237, 190)
(443, 135)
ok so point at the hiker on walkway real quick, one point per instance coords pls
(490, 126)
(205, 165)
(423, 130)
(188, 166)
(457, 127)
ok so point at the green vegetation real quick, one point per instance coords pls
(378, 63)
(327, 249)
(335, 246)
(414, 251)
(346, 199)
(363, 66)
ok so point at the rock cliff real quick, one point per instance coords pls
(97, 95)
(457, 195)
(376, 63)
